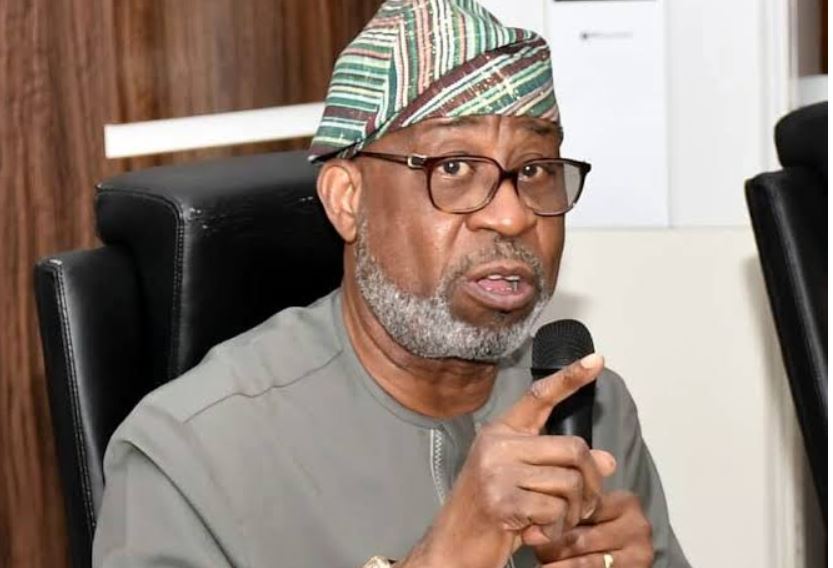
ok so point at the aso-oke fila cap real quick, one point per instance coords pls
(419, 59)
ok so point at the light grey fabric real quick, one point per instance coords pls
(280, 450)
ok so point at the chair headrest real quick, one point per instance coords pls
(801, 138)
(219, 247)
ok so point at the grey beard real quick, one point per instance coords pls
(425, 326)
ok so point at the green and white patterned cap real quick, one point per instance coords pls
(419, 59)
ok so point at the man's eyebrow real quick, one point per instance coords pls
(545, 128)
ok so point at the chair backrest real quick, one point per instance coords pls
(192, 255)
(789, 216)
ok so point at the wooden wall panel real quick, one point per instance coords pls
(66, 69)
(823, 40)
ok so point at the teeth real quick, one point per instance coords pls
(513, 279)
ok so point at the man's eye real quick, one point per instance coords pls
(531, 170)
(454, 167)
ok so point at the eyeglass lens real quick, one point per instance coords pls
(465, 184)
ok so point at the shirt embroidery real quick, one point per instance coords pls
(436, 463)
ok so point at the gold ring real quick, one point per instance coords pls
(608, 558)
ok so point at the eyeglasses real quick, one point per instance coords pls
(465, 184)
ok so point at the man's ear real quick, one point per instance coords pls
(339, 188)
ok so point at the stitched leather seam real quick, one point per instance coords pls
(75, 400)
(173, 207)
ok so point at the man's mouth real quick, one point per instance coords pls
(503, 286)
(499, 284)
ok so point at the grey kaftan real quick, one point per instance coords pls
(279, 450)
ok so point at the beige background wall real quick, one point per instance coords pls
(682, 315)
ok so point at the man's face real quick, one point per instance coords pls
(492, 269)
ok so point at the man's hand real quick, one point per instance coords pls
(517, 485)
(618, 527)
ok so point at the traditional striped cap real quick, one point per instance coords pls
(419, 59)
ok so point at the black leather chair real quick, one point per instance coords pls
(192, 255)
(789, 217)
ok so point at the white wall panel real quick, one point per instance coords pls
(609, 72)
(721, 73)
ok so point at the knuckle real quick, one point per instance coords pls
(578, 449)
(644, 556)
(572, 518)
(523, 510)
(539, 390)
(496, 500)
(559, 508)
(575, 482)
(514, 514)
(554, 530)
(515, 521)
(491, 453)
(486, 475)
(645, 528)
(495, 476)
(556, 513)
(502, 445)
(581, 542)
(640, 524)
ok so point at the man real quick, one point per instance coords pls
(394, 419)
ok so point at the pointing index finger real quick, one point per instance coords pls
(530, 413)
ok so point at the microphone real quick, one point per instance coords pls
(556, 345)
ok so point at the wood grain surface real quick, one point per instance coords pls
(67, 68)
(823, 42)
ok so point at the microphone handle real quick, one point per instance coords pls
(573, 416)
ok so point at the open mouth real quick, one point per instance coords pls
(501, 286)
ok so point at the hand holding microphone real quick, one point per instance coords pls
(618, 531)
(518, 485)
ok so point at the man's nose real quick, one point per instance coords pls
(506, 214)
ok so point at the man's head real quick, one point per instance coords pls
(449, 268)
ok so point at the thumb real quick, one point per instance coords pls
(605, 462)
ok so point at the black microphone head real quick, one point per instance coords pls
(559, 343)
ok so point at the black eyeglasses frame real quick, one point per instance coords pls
(427, 164)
